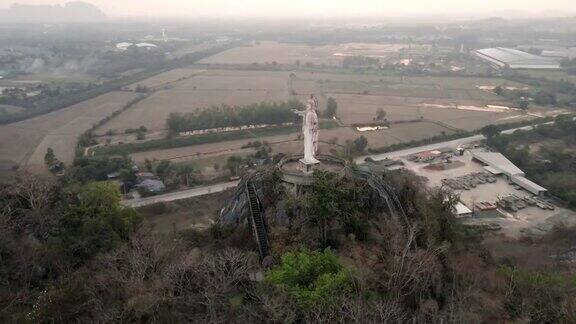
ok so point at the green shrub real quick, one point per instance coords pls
(311, 277)
(97, 224)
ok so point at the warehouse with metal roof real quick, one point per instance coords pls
(529, 185)
(508, 58)
(496, 163)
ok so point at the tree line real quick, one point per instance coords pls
(274, 113)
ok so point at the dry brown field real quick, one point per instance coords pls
(192, 152)
(409, 98)
(206, 155)
(166, 78)
(208, 88)
(435, 99)
(359, 96)
(26, 142)
(290, 53)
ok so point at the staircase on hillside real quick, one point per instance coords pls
(257, 220)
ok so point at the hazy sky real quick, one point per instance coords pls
(320, 8)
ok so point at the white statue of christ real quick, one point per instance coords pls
(310, 132)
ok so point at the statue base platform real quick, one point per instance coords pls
(307, 167)
(298, 174)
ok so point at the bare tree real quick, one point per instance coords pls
(35, 190)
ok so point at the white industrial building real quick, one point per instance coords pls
(460, 210)
(496, 163)
(126, 45)
(508, 58)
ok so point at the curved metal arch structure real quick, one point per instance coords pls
(250, 189)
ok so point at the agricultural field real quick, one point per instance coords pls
(166, 78)
(458, 101)
(204, 150)
(443, 99)
(190, 49)
(205, 89)
(206, 155)
(24, 143)
(417, 107)
(332, 54)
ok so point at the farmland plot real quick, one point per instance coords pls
(25, 142)
(291, 53)
(207, 89)
(443, 99)
(166, 78)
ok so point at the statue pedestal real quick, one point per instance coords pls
(307, 167)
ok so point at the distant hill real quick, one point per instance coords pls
(76, 11)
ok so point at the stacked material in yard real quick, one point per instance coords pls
(469, 181)
(484, 205)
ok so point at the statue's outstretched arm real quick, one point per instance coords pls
(299, 112)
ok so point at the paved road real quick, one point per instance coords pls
(451, 144)
(184, 194)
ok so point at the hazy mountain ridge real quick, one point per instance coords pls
(76, 11)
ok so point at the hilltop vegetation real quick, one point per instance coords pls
(339, 260)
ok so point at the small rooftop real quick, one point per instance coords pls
(461, 210)
(152, 185)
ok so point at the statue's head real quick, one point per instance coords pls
(312, 103)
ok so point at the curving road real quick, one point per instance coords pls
(452, 144)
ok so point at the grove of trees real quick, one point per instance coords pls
(331, 107)
(231, 116)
